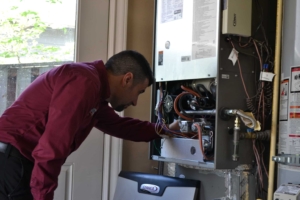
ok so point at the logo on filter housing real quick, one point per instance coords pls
(154, 189)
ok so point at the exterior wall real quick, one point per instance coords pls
(139, 38)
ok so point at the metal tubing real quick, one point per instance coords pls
(275, 99)
(201, 112)
(236, 139)
(234, 112)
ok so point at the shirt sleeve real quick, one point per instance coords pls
(73, 95)
(124, 127)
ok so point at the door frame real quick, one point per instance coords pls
(112, 158)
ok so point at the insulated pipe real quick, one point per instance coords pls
(275, 99)
(234, 112)
(262, 135)
(242, 114)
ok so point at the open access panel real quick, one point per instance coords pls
(199, 83)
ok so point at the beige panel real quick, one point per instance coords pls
(139, 38)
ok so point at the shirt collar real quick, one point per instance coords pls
(104, 85)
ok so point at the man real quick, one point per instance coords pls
(54, 115)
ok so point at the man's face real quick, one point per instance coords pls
(128, 95)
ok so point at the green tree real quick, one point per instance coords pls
(19, 34)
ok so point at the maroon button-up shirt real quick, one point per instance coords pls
(55, 114)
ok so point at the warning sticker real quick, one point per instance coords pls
(294, 112)
(295, 79)
(160, 58)
(293, 123)
(284, 99)
(289, 129)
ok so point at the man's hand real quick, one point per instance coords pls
(174, 126)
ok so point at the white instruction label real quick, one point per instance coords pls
(171, 10)
(266, 76)
(283, 145)
(233, 56)
(288, 189)
(204, 34)
(225, 76)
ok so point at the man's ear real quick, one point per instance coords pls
(127, 79)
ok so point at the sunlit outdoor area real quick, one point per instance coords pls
(35, 36)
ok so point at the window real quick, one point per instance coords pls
(35, 36)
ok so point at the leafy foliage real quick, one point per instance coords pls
(20, 31)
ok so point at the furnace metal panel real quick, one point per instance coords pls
(230, 92)
(187, 39)
(186, 150)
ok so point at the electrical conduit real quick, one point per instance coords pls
(275, 99)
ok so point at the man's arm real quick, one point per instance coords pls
(72, 97)
(127, 128)
(124, 127)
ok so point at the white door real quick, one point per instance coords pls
(81, 175)
(102, 32)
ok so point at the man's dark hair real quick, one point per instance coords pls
(130, 61)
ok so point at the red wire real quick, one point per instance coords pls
(190, 91)
(240, 72)
(261, 98)
(176, 109)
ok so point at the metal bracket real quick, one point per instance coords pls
(287, 159)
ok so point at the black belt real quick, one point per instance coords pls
(3, 147)
(10, 150)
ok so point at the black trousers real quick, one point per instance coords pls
(15, 174)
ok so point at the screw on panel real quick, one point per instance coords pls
(221, 49)
(221, 68)
(193, 150)
(161, 79)
(236, 75)
(208, 74)
(252, 72)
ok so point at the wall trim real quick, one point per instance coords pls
(67, 168)
(112, 158)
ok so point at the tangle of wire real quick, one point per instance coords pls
(261, 103)
(258, 152)
(161, 127)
